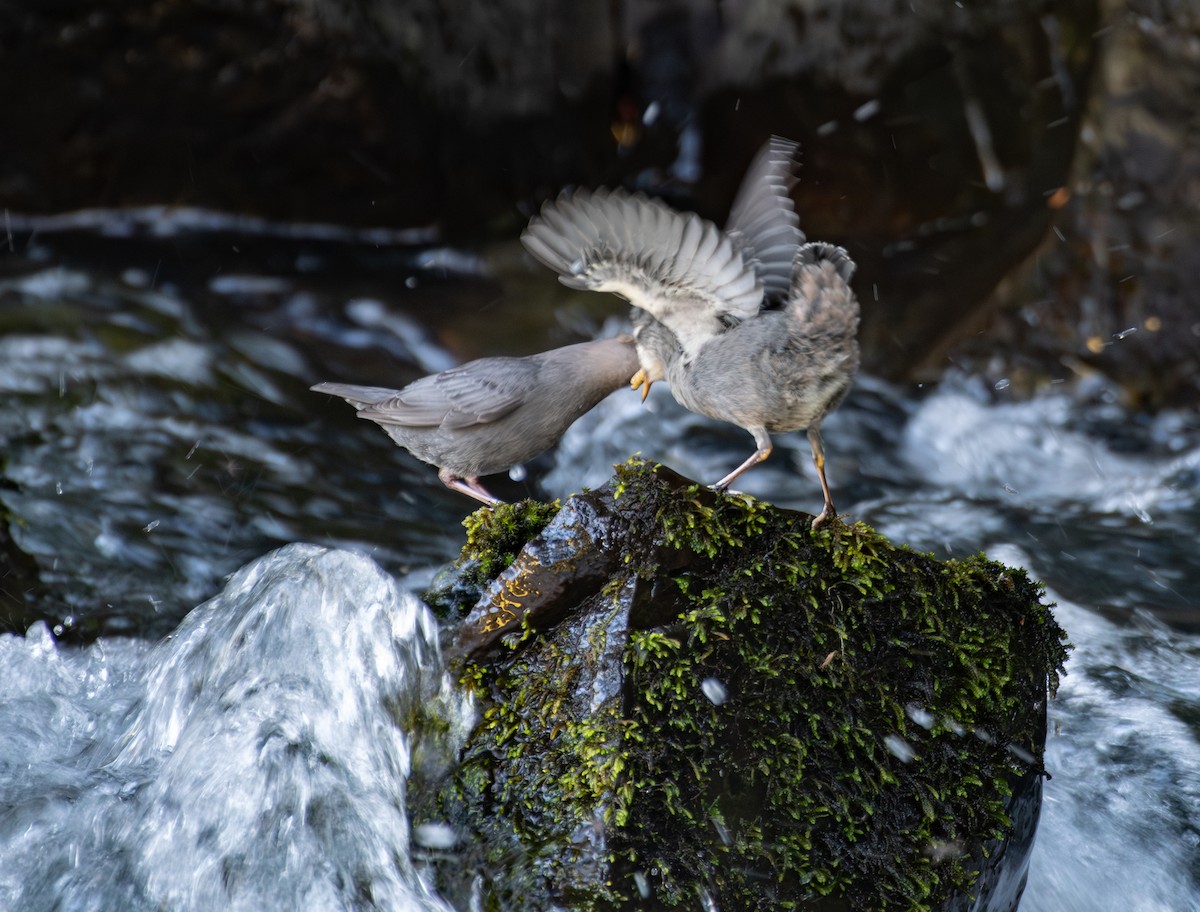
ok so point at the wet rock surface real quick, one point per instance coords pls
(686, 695)
(20, 590)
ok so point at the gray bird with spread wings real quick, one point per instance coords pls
(489, 415)
(750, 325)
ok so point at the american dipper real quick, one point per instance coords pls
(750, 325)
(489, 415)
(762, 224)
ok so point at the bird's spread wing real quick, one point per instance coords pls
(476, 393)
(680, 268)
(763, 220)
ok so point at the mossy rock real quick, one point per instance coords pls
(689, 697)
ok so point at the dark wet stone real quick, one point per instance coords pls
(684, 692)
(578, 553)
(22, 596)
(566, 563)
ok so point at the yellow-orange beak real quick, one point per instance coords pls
(641, 380)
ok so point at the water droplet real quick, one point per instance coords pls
(643, 885)
(714, 690)
(942, 851)
(1021, 754)
(1002, 383)
(920, 715)
(435, 836)
(868, 110)
(1141, 512)
(900, 748)
(722, 831)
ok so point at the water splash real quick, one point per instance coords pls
(1121, 813)
(252, 760)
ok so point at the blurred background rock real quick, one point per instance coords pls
(1019, 181)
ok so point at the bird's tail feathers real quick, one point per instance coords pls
(816, 252)
(358, 396)
(821, 299)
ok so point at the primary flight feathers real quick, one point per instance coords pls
(678, 267)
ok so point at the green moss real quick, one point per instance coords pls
(540, 771)
(496, 535)
(873, 695)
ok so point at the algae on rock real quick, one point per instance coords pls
(687, 694)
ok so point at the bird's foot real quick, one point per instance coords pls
(827, 513)
(471, 487)
(641, 381)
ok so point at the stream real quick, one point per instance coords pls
(187, 731)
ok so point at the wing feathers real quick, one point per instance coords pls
(680, 268)
(763, 218)
(677, 266)
(476, 393)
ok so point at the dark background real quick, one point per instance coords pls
(1024, 170)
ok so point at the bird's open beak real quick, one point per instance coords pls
(641, 380)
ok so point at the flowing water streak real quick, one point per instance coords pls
(253, 760)
(1120, 826)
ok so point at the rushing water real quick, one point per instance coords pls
(252, 760)
(158, 435)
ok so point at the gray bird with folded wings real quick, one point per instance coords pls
(489, 415)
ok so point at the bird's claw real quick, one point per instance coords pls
(641, 381)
